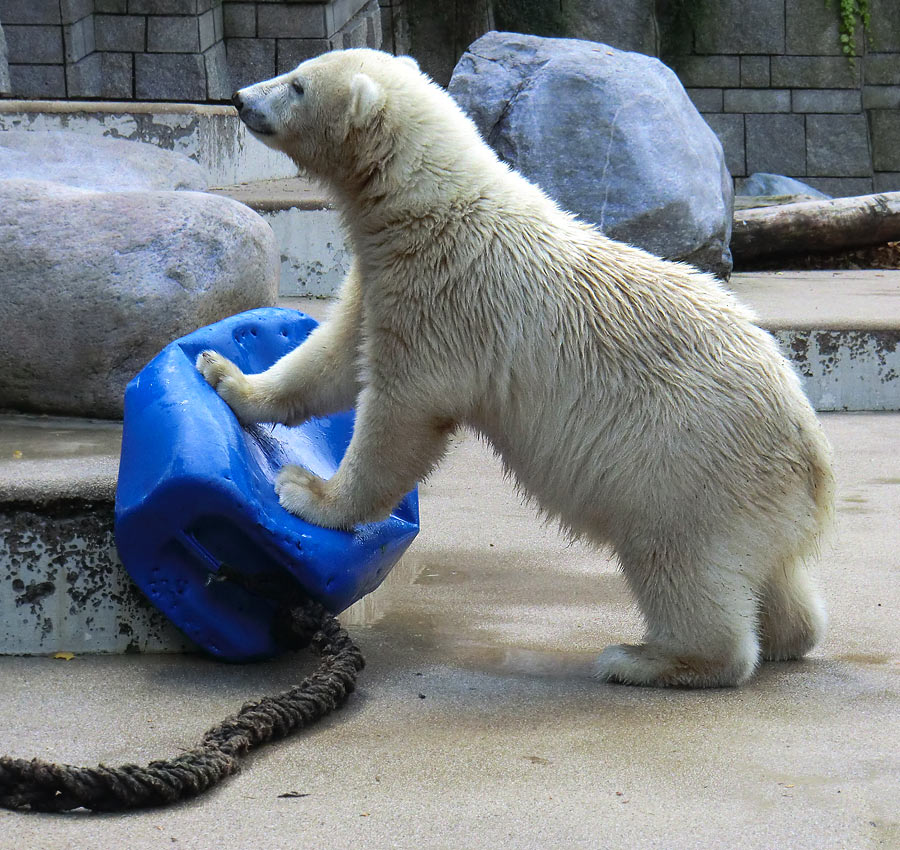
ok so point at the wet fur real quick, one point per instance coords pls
(633, 399)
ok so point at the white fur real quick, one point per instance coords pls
(366, 99)
(633, 399)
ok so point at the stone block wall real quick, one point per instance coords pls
(266, 37)
(769, 77)
(4, 65)
(116, 49)
(171, 50)
(395, 26)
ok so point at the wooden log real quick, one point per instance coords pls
(816, 226)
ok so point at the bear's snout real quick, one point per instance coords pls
(250, 113)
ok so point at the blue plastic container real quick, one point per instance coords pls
(196, 490)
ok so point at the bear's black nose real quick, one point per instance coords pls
(237, 100)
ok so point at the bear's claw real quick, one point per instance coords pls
(214, 367)
(230, 383)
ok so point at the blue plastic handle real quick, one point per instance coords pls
(196, 490)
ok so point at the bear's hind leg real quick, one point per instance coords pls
(701, 627)
(791, 613)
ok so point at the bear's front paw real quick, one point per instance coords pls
(306, 496)
(228, 381)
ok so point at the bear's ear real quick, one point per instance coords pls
(408, 60)
(366, 99)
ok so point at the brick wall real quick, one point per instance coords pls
(770, 79)
(171, 50)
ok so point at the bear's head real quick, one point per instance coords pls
(349, 115)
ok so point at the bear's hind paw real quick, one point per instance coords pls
(653, 666)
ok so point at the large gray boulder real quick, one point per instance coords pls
(5, 87)
(94, 284)
(95, 162)
(611, 135)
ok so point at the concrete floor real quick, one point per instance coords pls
(476, 724)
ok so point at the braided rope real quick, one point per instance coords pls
(42, 786)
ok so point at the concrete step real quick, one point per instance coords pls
(62, 587)
(314, 256)
(212, 135)
(841, 329)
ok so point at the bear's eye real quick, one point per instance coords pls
(298, 86)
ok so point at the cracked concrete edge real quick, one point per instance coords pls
(36, 486)
(68, 107)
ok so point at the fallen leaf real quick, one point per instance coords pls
(292, 795)
(64, 656)
(17, 455)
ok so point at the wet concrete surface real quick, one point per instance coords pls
(864, 300)
(476, 723)
(277, 194)
(47, 458)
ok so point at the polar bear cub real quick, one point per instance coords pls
(633, 399)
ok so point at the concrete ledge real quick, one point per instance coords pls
(866, 300)
(211, 135)
(314, 254)
(45, 459)
(63, 588)
(846, 370)
(840, 329)
(280, 194)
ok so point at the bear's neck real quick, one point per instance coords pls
(414, 185)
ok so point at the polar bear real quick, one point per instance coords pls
(633, 399)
